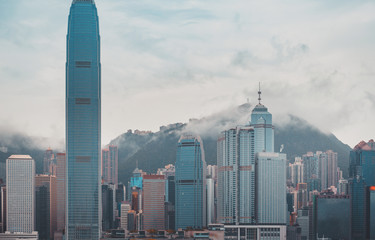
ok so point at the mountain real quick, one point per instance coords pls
(155, 150)
(17, 143)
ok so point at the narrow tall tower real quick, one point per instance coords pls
(83, 122)
(261, 120)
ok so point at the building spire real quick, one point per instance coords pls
(259, 93)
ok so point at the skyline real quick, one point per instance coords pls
(316, 56)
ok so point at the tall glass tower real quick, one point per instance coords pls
(261, 120)
(83, 122)
(190, 183)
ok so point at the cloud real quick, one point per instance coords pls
(168, 61)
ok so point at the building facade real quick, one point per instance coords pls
(110, 165)
(20, 180)
(83, 122)
(153, 202)
(236, 176)
(271, 188)
(190, 184)
(60, 191)
(46, 205)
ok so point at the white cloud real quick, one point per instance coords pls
(168, 61)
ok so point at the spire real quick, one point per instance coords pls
(259, 93)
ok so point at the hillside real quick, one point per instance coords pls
(154, 150)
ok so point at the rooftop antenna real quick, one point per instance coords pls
(259, 93)
(137, 163)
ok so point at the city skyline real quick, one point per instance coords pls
(310, 53)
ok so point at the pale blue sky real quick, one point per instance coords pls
(168, 61)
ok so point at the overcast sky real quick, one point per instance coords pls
(165, 61)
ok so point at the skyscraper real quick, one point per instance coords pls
(190, 183)
(236, 176)
(153, 202)
(110, 165)
(271, 188)
(83, 122)
(20, 171)
(261, 120)
(45, 194)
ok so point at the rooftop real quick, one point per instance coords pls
(20, 157)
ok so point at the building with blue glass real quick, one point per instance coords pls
(83, 122)
(362, 173)
(190, 183)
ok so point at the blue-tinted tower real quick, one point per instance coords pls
(83, 122)
(190, 183)
(261, 120)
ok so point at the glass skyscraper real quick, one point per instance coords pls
(190, 183)
(83, 122)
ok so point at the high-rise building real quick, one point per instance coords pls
(296, 171)
(210, 186)
(110, 165)
(125, 208)
(20, 180)
(362, 176)
(153, 202)
(362, 162)
(331, 168)
(190, 183)
(332, 216)
(261, 120)
(60, 192)
(45, 198)
(108, 206)
(3, 207)
(83, 122)
(371, 211)
(47, 161)
(236, 176)
(271, 188)
(310, 166)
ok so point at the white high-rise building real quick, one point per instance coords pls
(125, 208)
(210, 187)
(20, 180)
(271, 188)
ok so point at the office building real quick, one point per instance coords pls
(271, 188)
(110, 165)
(20, 185)
(303, 221)
(332, 216)
(296, 171)
(153, 202)
(83, 122)
(190, 182)
(3, 206)
(210, 186)
(125, 208)
(108, 206)
(60, 192)
(46, 204)
(261, 121)
(236, 176)
(371, 212)
(310, 166)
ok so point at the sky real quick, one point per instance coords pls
(168, 61)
